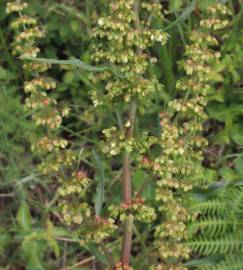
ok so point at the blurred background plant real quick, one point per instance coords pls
(32, 234)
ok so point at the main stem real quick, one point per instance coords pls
(126, 177)
(127, 192)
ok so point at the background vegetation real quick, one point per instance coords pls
(32, 235)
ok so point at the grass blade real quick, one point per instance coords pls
(77, 63)
(100, 192)
(184, 15)
(73, 62)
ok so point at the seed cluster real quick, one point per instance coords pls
(120, 39)
(137, 208)
(116, 141)
(182, 142)
(57, 159)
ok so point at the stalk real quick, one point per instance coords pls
(127, 191)
(126, 177)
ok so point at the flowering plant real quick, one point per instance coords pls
(122, 43)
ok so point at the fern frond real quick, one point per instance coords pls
(234, 199)
(213, 226)
(212, 207)
(229, 263)
(227, 244)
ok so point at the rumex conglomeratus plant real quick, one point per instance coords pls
(58, 160)
(121, 40)
(179, 168)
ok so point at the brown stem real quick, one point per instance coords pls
(127, 191)
(126, 181)
(127, 242)
(126, 177)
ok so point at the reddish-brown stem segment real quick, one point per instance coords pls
(126, 177)
(127, 192)
(127, 242)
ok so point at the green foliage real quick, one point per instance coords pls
(219, 227)
(32, 233)
(231, 262)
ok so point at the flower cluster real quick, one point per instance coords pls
(123, 43)
(217, 19)
(182, 142)
(163, 266)
(57, 159)
(15, 7)
(137, 208)
(124, 37)
(116, 141)
(79, 214)
(119, 266)
(101, 229)
(45, 110)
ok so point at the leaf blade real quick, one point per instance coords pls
(72, 62)
(100, 192)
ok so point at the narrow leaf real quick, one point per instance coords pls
(184, 15)
(73, 62)
(78, 63)
(95, 251)
(100, 192)
(24, 217)
(33, 254)
(209, 261)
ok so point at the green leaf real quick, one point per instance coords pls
(205, 261)
(228, 174)
(175, 5)
(6, 75)
(100, 192)
(33, 254)
(184, 15)
(5, 240)
(239, 165)
(222, 137)
(225, 113)
(24, 217)
(95, 251)
(78, 63)
(139, 177)
(237, 134)
(73, 62)
(51, 240)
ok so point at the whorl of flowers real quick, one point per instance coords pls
(178, 168)
(123, 42)
(57, 159)
(124, 37)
